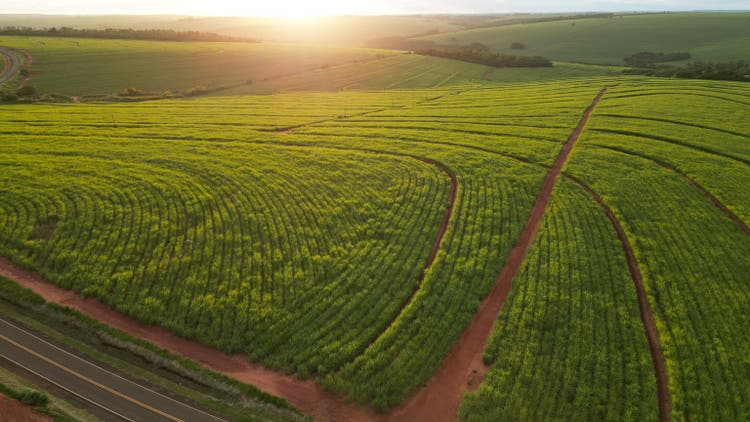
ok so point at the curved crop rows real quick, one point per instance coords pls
(569, 343)
(314, 250)
(230, 251)
(280, 262)
(676, 203)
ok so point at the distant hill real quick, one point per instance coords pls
(714, 36)
(352, 31)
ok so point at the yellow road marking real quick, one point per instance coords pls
(90, 381)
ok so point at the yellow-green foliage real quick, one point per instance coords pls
(648, 145)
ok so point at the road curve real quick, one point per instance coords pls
(110, 392)
(13, 65)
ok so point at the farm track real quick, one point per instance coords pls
(29, 62)
(675, 142)
(306, 395)
(440, 399)
(429, 403)
(714, 200)
(657, 355)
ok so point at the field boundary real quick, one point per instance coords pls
(441, 398)
(674, 142)
(464, 359)
(652, 333)
(26, 65)
(714, 200)
(308, 396)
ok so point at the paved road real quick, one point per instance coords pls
(93, 384)
(15, 64)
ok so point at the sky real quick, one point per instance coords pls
(338, 7)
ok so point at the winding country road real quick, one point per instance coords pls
(12, 65)
(110, 392)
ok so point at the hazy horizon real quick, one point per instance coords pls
(298, 8)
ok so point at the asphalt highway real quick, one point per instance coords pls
(111, 392)
(15, 64)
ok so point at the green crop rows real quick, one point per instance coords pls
(296, 228)
(707, 36)
(662, 143)
(569, 343)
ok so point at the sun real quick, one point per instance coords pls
(289, 9)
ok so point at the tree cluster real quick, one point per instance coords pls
(646, 58)
(477, 53)
(729, 71)
(126, 33)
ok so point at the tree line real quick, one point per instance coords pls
(480, 54)
(123, 33)
(728, 71)
(646, 58)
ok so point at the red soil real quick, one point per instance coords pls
(448, 210)
(11, 410)
(29, 58)
(23, 81)
(305, 395)
(714, 200)
(464, 369)
(438, 401)
(29, 62)
(657, 356)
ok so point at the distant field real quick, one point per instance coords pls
(89, 67)
(100, 67)
(412, 72)
(707, 36)
(350, 31)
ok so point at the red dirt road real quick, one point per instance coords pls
(657, 355)
(24, 81)
(310, 398)
(306, 395)
(29, 58)
(29, 62)
(714, 200)
(11, 410)
(438, 401)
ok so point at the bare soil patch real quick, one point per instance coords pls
(11, 410)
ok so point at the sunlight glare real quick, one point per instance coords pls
(289, 9)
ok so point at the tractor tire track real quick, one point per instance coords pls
(441, 398)
(304, 394)
(652, 333)
(714, 200)
(438, 401)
